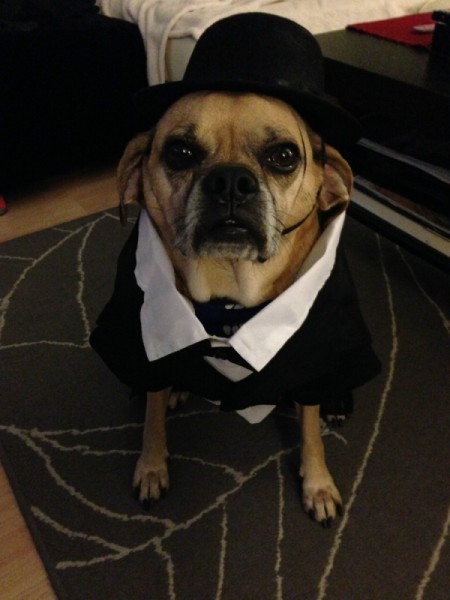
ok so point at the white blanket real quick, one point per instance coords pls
(161, 20)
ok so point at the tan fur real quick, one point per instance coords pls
(235, 129)
(226, 125)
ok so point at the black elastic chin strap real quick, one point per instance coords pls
(292, 228)
(299, 223)
(322, 162)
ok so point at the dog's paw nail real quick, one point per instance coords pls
(311, 515)
(340, 509)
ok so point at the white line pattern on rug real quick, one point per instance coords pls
(436, 554)
(81, 278)
(25, 436)
(28, 437)
(323, 583)
(39, 514)
(24, 258)
(445, 320)
(278, 576)
(44, 343)
(6, 301)
(222, 553)
(434, 559)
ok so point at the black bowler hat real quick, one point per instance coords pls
(264, 54)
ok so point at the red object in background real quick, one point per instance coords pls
(400, 30)
(3, 206)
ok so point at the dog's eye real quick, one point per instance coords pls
(180, 155)
(283, 158)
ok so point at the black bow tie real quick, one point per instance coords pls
(226, 353)
(222, 317)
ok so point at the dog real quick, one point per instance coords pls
(269, 171)
(239, 187)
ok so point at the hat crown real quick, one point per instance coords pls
(264, 54)
(258, 48)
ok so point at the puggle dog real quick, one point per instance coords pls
(239, 188)
(222, 176)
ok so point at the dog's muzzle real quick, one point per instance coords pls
(231, 215)
(230, 191)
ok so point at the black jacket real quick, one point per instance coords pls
(329, 354)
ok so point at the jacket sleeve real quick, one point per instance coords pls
(117, 336)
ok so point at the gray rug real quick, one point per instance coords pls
(232, 526)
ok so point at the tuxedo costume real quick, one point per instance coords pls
(323, 353)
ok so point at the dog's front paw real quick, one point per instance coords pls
(321, 498)
(150, 480)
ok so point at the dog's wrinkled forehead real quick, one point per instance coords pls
(228, 124)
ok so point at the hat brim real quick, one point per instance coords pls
(337, 127)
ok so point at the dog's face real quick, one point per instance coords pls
(224, 175)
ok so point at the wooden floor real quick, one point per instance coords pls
(22, 576)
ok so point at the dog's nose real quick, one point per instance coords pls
(230, 184)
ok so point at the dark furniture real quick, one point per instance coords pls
(401, 95)
(66, 89)
(373, 76)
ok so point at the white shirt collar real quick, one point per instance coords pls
(168, 320)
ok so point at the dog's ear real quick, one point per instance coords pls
(129, 172)
(337, 184)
